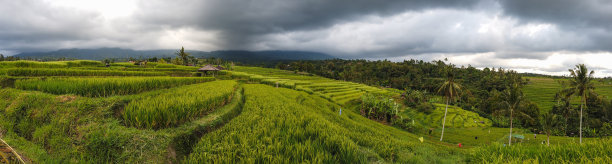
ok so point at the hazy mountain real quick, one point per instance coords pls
(233, 55)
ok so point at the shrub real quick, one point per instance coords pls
(378, 107)
(412, 98)
(426, 107)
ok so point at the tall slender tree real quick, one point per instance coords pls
(183, 55)
(548, 122)
(511, 101)
(450, 89)
(580, 84)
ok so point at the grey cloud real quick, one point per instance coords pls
(29, 24)
(240, 21)
(523, 54)
(590, 18)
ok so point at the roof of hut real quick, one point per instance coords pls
(208, 67)
(220, 68)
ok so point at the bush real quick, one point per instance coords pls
(407, 124)
(426, 107)
(412, 98)
(378, 107)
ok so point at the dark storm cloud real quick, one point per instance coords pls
(240, 21)
(592, 18)
(506, 33)
(31, 25)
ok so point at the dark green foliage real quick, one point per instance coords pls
(478, 85)
(184, 56)
(426, 107)
(412, 98)
(378, 107)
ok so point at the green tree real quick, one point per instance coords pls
(580, 84)
(511, 101)
(548, 122)
(183, 55)
(450, 89)
(162, 60)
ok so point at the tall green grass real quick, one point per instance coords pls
(102, 87)
(54, 64)
(76, 72)
(179, 105)
(595, 151)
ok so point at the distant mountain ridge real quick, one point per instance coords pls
(233, 55)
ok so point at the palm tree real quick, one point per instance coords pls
(183, 55)
(512, 98)
(450, 89)
(581, 85)
(549, 121)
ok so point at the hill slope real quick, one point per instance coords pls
(293, 126)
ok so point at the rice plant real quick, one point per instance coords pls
(102, 87)
(54, 64)
(76, 72)
(179, 105)
(596, 151)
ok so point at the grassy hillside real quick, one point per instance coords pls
(311, 131)
(542, 91)
(248, 115)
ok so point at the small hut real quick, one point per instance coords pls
(208, 68)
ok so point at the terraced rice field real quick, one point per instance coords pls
(542, 91)
(456, 117)
(340, 92)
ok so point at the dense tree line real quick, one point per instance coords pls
(486, 91)
(8, 58)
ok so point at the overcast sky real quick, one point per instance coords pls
(540, 36)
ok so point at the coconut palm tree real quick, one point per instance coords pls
(512, 98)
(548, 122)
(450, 89)
(580, 84)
